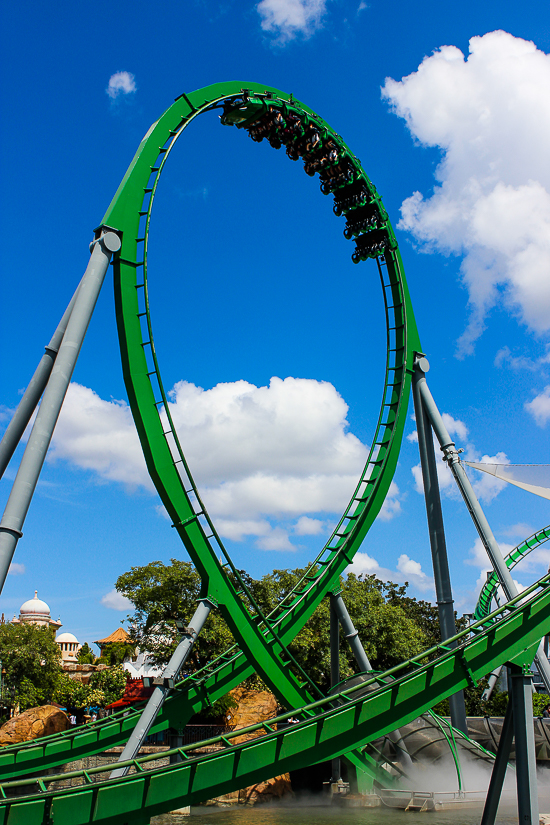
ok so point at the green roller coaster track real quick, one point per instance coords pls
(329, 726)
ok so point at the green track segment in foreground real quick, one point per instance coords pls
(406, 692)
(262, 642)
(489, 589)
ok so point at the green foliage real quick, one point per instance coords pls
(115, 653)
(388, 634)
(32, 664)
(85, 655)
(70, 693)
(161, 595)
(217, 711)
(381, 612)
(111, 683)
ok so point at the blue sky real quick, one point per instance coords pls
(270, 337)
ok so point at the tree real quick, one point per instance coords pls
(115, 653)
(85, 655)
(32, 663)
(163, 594)
(111, 683)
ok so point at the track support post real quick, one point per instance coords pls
(445, 603)
(33, 393)
(106, 243)
(336, 768)
(452, 458)
(518, 723)
(163, 685)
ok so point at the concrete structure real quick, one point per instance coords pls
(69, 646)
(35, 611)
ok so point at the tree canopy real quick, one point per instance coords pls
(31, 660)
(163, 594)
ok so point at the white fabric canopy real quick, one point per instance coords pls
(532, 477)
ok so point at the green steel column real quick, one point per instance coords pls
(334, 670)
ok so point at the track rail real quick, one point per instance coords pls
(400, 695)
(490, 588)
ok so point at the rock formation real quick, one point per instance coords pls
(255, 706)
(33, 723)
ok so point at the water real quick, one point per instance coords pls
(322, 814)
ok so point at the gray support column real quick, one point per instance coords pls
(499, 768)
(352, 637)
(491, 682)
(46, 419)
(163, 686)
(32, 394)
(339, 609)
(526, 762)
(451, 456)
(445, 603)
(336, 770)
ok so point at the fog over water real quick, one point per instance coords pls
(323, 814)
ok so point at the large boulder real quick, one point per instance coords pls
(254, 706)
(33, 723)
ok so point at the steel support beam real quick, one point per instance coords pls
(451, 456)
(351, 635)
(338, 608)
(54, 395)
(526, 762)
(500, 767)
(336, 767)
(33, 393)
(163, 686)
(491, 682)
(442, 577)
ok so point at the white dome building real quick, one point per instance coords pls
(35, 611)
(69, 647)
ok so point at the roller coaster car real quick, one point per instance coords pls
(241, 113)
(364, 218)
(373, 244)
(350, 197)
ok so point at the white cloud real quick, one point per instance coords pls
(407, 570)
(121, 83)
(392, 505)
(539, 407)
(116, 601)
(290, 18)
(490, 116)
(521, 530)
(276, 540)
(16, 569)
(257, 453)
(99, 435)
(521, 363)
(306, 526)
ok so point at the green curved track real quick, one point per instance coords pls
(489, 589)
(261, 641)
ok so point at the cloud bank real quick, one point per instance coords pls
(490, 116)
(280, 453)
(288, 19)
